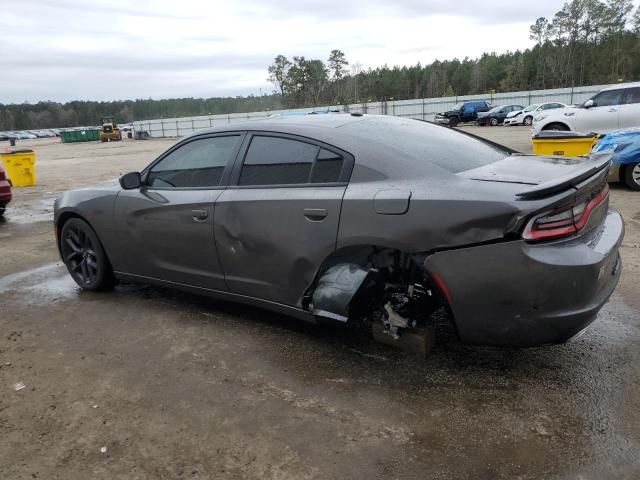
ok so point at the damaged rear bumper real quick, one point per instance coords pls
(519, 294)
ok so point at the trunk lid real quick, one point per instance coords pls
(543, 176)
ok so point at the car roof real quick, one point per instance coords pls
(416, 147)
(621, 86)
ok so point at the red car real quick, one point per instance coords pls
(5, 190)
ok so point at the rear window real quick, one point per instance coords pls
(444, 147)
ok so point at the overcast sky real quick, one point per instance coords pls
(90, 50)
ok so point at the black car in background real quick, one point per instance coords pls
(462, 112)
(496, 115)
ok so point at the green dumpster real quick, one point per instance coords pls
(84, 135)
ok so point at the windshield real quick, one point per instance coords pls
(458, 106)
(531, 107)
(495, 110)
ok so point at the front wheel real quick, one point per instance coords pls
(84, 256)
(528, 120)
(632, 176)
(493, 122)
(453, 121)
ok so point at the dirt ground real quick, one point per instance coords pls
(147, 383)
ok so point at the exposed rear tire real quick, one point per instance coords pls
(84, 256)
(3, 208)
(632, 176)
(528, 120)
(556, 127)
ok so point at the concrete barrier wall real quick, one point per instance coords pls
(424, 109)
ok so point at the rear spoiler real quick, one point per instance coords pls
(593, 163)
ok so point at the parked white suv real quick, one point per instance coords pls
(613, 108)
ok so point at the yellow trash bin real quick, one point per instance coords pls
(569, 144)
(20, 166)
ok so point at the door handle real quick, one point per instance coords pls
(200, 215)
(315, 214)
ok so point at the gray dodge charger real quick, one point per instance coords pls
(363, 219)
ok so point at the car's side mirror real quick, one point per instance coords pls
(589, 104)
(131, 180)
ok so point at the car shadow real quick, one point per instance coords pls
(351, 351)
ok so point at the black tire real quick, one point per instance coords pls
(84, 256)
(631, 176)
(453, 121)
(528, 120)
(493, 122)
(3, 208)
(556, 127)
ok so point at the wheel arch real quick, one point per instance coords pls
(66, 215)
(557, 122)
(360, 255)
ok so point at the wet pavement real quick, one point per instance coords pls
(144, 382)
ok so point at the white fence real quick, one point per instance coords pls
(424, 109)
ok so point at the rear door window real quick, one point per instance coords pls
(327, 168)
(632, 95)
(285, 161)
(277, 161)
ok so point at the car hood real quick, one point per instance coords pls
(514, 114)
(483, 114)
(449, 112)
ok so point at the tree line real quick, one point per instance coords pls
(587, 42)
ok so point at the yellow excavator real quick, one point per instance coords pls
(110, 131)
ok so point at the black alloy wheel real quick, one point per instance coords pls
(84, 256)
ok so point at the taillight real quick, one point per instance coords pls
(564, 221)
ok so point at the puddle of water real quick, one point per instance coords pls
(37, 211)
(7, 281)
(41, 285)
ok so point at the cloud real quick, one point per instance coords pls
(71, 49)
(488, 11)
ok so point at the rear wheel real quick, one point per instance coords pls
(632, 176)
(84, 256)
(528, 120)
(3, 208)
(453, 121)
(493, 122)
(556, 127)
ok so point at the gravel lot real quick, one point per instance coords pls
(144, 382)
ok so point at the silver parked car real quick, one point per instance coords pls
(351, 217)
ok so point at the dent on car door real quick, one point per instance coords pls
(279, 222)
(629, 115)
(166, 226)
